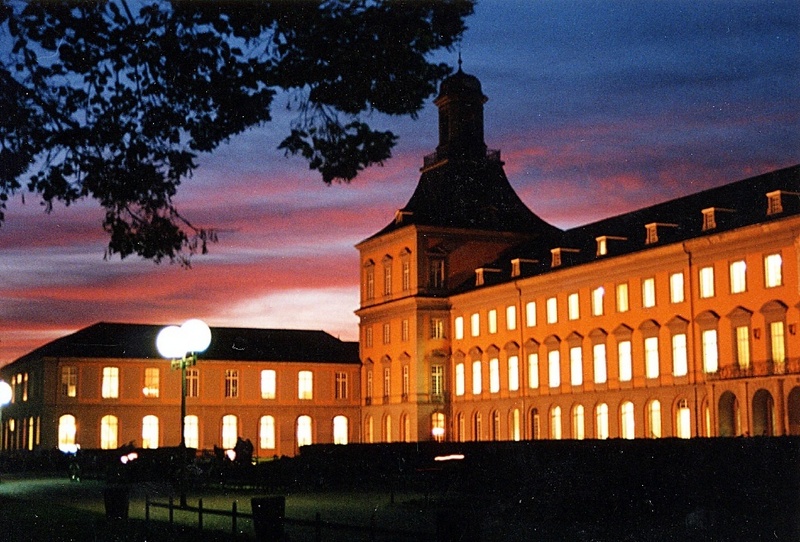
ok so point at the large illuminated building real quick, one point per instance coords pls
(478, 321)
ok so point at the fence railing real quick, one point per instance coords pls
(758, 369)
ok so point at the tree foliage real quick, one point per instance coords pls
(115, 100)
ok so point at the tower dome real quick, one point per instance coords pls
(460, 102)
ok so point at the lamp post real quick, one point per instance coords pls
(181, 345)
(5, 398)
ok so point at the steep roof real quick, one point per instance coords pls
(138, 341)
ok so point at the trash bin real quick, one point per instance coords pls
(268, 514)
(116, 499)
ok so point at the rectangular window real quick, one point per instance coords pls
(676, 293)
(268, 384)
(576, 366)
(738, 273)
(266, 433)
(511, 317)
(387, 382)
(191, 432)
(600, 364)
(437, 380)
(623, 305)
(491, 321)
(680, 357)
(743, 346)
(494, 375)
(406, 275)
(530, 313)
(533, 371)
(598, 294)
(305, 385)
(370, 283)
(625, 361)
(573, 307)
(554, 368)
(552, 310)
(387, 333)
(369, 384)
(513, 373)
(777, 342)
(231, 383)
(460, 379)
(69, 381)
(475, 325)
(477, 378)
(368, 336)
(406, 381)
(458, 327)
(706, 282)
(387, 279)
(340, 389)
(710, 351)
(436, 274)
(110, 385)
(773, 273)
(151, 382)
(649, 292)
(192, 383)
(651, 362)
(404, 330)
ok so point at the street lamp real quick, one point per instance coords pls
(5, 398)
(181, 345)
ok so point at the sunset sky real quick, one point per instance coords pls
(598, 108)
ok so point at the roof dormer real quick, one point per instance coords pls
(559, 254)
(711, 217)
(481, 274)
(603, 243)
(653, 230)
(518, 263)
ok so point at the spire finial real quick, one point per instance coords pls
(459, 58)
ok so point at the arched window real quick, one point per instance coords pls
(150, 431)
(340, 431)
(230, 430)
(266, 433)
(601, 421)
(555, 423)
(495, 425)
(683, 425)
(437, 426)
(387, 428)
(628, 425)
(109, 432)
(654, 418)
(191, 431)
(536, 425)
(304, 437)
(369, 430)
(578, 423)
(67, 430)
(477, 423)
(516, 429)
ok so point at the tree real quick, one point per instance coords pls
(101, 101)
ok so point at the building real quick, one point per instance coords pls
(106, 385)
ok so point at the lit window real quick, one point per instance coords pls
(268, 384)
(340, 385)
(554, 368)
(109, 432)
(475, 324)
(406, 381)
(387, 382)
(516, 426)
(649, 292)
(684, 421)
(266, 433)
(437, 426)
(651, 357)
(305, 385)
(676, 294)
(602, 246)
(69, 381)
(706, 282)
(738, 276)
(458, 327)
(552, 310)
(773, 274)
(623, 305)
(628, 421)
(680, 361)
(576, 366)
(230, 430)
(578, 423)
(340, 431)
(513, 373)
(387, 333)
(536, 426)
(494, 375)
(460, 379)
(573, 307)
(150, 432)
(151, 382)
(654, 418)
(304, 431)
(533, 371)
(369, 430)
(555, 423)
(491, 322)
(625, 361)
(67, 431)
(601, 421)
(191, 431)
(600, 366)
(530, 313)
(437, 380)
(110, 386)
(597, 301)
(192, 383)
(477, 383)
(710, 351)
(511, 317)
(405, 427)
(231, 383)
(743, 346)
(777, 342)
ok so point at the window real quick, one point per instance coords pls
(405, 428)
(151, 378)
(387, 333)
(437, 426)
(268, 384)
(601, 421)
(774, 203)
(406, 275)
(654, 418)
(369, 384)
(67, 431)
(387, 276)
(368, 336)
(231, 383)
(536, 426)
(676, 290)
(651, 368)
(477, 384)
(623, 304)
(602, 246)
(406, 381)
(555, 423)
(516, 426)
(304, 431)
(458, 327)
(513, 373)
(404, 331)
(475, 324)
(738, 273)
(230, 430)
(628, 426)
(600, 364)
(266, 433)
(576, 366)
(625, 361)
(511, 317)
(530, 313)
(683, 427)
(492, 322)
(460, 379)
(369, 281)
(773, 273)
(437, 328)
(680, 359)
(150, 432)
(706, 282)
(437, 380)
(552, 310)
(69, 381)
(649, 292)
(436, 276)
(110, 386)
(305, 385)
(578, 423)
(191, 431)
(387, 383)
(109, 432)
(554, 368)
(340, 385)
(192, 383)
(369, 430)
(597, 301)
(494, 375)
(777, 342)
(743, 346)
(533, 371)
(340, 432)
(573, 307)
(495, 428)
(710, 352)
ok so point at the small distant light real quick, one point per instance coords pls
(437, 431)
(230, 454)
(451, 457)
(129, 457)
(124, 459)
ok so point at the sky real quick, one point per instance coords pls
(597, 107)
